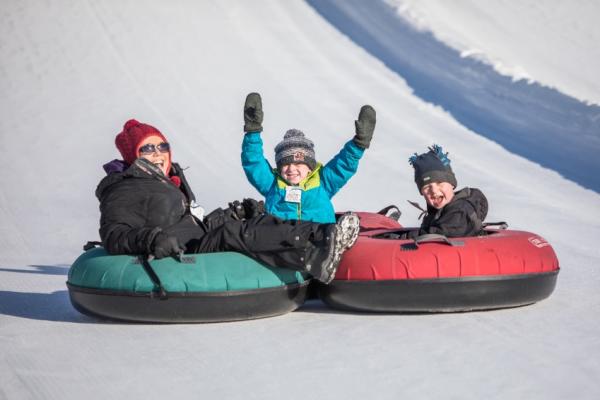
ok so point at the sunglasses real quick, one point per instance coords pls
(150, 148)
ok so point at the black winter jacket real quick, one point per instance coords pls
(463, 216)
(138, 202)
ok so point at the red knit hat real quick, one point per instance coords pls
(133, 134)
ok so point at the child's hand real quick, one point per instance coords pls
(365, 125)
(253, 113)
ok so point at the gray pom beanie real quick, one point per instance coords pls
(295, 148)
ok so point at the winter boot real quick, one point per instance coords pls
(349, 225)
(338, 238)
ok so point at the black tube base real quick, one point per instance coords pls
(188, 307)
(439, 295)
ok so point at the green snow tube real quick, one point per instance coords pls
(198, 288)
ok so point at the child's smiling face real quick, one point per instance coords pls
(438, 194)
(294, 173)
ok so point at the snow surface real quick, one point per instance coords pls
(72, 72)
(528, 119)
(545, 41)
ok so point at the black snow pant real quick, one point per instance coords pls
(268, 239)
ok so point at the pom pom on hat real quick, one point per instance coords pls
(133, 134)
(295, 148)
(433, 166)
(130, 124)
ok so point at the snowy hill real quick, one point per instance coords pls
(72, 73)
(528, 119)
(546, 41)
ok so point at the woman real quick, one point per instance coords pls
(148, 208)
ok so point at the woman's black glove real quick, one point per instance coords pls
(253, 208)
(165, 246)
(253, 113)
(236, 211)
(365, 125)
(247, 208)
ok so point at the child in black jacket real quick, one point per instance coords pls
(449, 213)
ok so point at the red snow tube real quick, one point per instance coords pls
(382, 273)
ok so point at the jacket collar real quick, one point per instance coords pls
(117, 170)
(312, 179)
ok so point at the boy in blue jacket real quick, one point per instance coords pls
(300, 188)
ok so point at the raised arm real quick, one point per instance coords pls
(344, 165)
(255, 165)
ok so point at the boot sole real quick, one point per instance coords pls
(331, 263)
(346, 233)
(349, 225)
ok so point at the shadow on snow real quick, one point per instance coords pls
(41, 269)
(41, 306)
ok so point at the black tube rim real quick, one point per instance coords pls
(184, 307)
(439, 295)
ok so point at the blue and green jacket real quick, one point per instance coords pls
(317, 188)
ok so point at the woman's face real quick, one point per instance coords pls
(295, 173)
(151, 150)
(438, 194)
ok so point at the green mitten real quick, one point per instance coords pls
(253, 113)
(365, 125)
